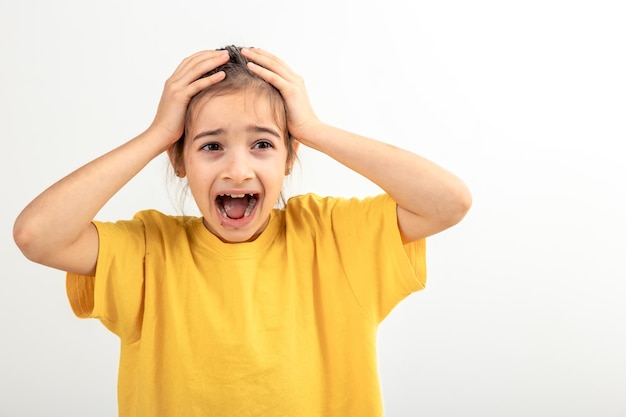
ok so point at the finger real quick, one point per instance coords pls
(185, 63)
(201, 55)
(269, 61)
(184, 83)
(270, 76)
(205, 82)
(196, 65)
(258, 52)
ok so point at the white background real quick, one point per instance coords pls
(525, 311)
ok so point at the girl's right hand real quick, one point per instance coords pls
(181, 86)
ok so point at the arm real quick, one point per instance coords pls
(56, 228)
(429, 198)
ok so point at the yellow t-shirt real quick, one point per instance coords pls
(282, 326)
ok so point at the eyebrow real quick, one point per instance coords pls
(253, 128)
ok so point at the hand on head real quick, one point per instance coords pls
(181, 86)
(190, 78)
(300, 114)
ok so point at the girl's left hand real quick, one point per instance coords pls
(300, 115)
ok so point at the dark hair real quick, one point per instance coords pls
(238, 78)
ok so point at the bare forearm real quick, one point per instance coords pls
(418, 185)
(56, 229)
(62, 213)
(429, 198)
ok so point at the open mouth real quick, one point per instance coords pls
(236, 206)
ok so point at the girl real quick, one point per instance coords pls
(249, 310)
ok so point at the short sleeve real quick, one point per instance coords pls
(380, 269)
(115, 294)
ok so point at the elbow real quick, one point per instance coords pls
(457, 207)
(463, 203)
(24, 238)
(27, 240)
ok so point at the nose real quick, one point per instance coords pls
(238, 167)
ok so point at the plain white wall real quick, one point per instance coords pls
(524, 313)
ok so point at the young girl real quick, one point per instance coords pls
(249, 310)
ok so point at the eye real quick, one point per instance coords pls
(263, 144)
(211, 147)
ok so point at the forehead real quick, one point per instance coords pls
(236, 107)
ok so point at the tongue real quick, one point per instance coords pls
(235, 207)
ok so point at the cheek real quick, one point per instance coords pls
(196, 177)
(192, 164)
(278, 179)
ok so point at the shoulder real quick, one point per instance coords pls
(149, 222)
(156, 217)
(309, 208)
(311, 211)
(315, 204)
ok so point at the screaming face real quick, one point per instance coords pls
(235, 159)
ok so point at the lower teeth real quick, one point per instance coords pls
(250, 207)
(246, 213)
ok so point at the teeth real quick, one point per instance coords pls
(236, 195)
(250, 206)
(249, 209)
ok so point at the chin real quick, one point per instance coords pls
(228, 235)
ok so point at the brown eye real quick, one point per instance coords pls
(211, 147)
(263, 144)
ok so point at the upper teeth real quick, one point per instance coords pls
(235, 195)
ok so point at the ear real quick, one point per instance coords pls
(177, 162)
(289, 164)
